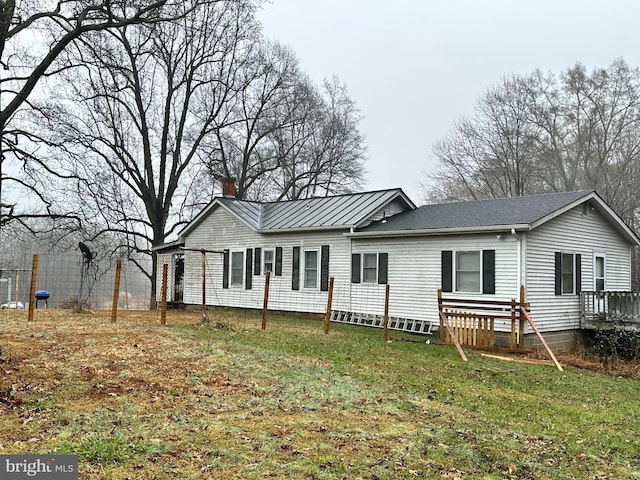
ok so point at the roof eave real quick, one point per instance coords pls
(175, 245)
(440, 231)
(324, 228)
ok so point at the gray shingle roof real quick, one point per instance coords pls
(482, 213)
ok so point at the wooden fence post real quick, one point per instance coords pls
(204, 283)
(442, 327)
(327, 316)
(522, 319)
(513, 324)
(163, 305)
(265, 302)
(116, 291)
(32, 294)
(386, 312)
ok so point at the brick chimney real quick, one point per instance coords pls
(229, 187)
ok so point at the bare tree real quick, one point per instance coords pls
(591, 132)
(33, 36)
(494, 153)
(123, 137)
(538, 133)
(288, 138)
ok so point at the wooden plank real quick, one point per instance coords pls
(453, 337)
(467, 301)
(544, 342)
(518, 360)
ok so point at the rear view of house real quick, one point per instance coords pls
(555, 245)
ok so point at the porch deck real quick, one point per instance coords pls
(610, 309)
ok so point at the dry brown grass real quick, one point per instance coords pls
(137, 400)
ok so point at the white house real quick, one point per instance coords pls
(555, 245)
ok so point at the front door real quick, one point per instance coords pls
(599, 281)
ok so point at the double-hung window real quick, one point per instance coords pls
(310, 269)
(568, 268)
(268, 261)
(468, 272)
(237, 268)
(370, 267)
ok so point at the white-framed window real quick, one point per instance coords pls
(370, 267)
(268, 260)
(599, 272)
(311, 270)
(237, 268)
(468, 271)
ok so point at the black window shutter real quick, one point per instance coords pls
(295, 269)
(225, 269)
(248, 259)
(257, 259)
(383, 263)
(558, 273)
(355, 268)
(324, 268)
(278, 261)
(578, 273)
(488, 271)
(447, 271)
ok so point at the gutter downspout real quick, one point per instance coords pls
(519, 260)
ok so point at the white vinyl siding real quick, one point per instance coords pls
(221, 230)
(576, 233)
(414, 273)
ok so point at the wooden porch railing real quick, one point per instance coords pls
(470, 323)
(606, 309)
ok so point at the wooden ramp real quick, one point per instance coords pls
(373, 320)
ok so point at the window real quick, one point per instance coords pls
(468, 271)
(370, 267)
(471, 271)
(599, 283)
(268, 263)
(310, 269)
(567, 273)
(237, 268)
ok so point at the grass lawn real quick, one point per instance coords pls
(137, 400)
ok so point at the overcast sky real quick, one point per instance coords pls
(415, 66)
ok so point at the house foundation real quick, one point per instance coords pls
(562, 342)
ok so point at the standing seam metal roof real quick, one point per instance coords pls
(320, 212)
